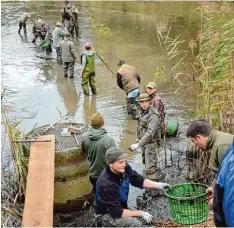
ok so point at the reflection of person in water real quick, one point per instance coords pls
(67, 90)
(24, 38)
(89, 108)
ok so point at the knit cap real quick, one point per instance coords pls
(97, 120)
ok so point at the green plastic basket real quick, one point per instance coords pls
(188, 203)
(171, 127)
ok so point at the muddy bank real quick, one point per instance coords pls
(41, 90)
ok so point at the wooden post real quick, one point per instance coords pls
(39, 198)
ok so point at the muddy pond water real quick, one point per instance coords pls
(41, 90)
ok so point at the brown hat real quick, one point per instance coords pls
(143, 97)
(114, 154)
(151, 85)
(97, 120)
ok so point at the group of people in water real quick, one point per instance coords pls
(110, 174)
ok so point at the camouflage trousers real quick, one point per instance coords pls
(68, 66)
(150, 159)
(88, 80)
(75, 27)
(107, 221)
(67, 24)
(59, 57)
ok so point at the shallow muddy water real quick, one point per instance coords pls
(41, 90)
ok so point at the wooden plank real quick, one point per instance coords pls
(39, 199)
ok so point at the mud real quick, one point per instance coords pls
(42, 93)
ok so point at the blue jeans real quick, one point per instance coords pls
(134, 93)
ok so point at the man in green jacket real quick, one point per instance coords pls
(88, 70)
(215, 142)
(68, 53)
(148, 136)
(218, 144)
(94, 144)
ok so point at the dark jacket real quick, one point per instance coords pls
(94, 144)
(223, 204)
(127, 78)
(112, 190)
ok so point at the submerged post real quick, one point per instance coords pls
(39, 197)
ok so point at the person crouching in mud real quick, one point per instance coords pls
(112, 188)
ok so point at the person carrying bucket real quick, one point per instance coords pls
(88, 69)
(148, 136)
(220, 146)
(129, 81)
(37, 29)
(156, 102)
(112, 188)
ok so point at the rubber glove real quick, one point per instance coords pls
(134, 146)
(146, 216)
(161, 186)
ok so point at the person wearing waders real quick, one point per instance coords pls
(58, 35)
(156, 102)
(22, 21)
(112, 188)
(220, 147)
(74, 21)
(68, 53)
(88, 69)
(46, 35)
(37, 29)
(129, 81)
(94, 144)
(66, 15)
(148, 136)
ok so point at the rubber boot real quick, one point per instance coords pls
(72, 34)
(131, 107)
(94, 91)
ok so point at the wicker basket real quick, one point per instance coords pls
(188, 203)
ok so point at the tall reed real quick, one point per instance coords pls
(13, 181)
(212, 68)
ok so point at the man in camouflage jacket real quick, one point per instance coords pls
(148, 136)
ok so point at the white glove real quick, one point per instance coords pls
(134, 146)
(146, 216)
(161, 186)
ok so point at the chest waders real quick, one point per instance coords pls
(88, 77)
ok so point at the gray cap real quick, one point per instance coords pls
(114, 154)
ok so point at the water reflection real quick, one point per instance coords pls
(67, 90)
(24, 38)
(89, 108)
